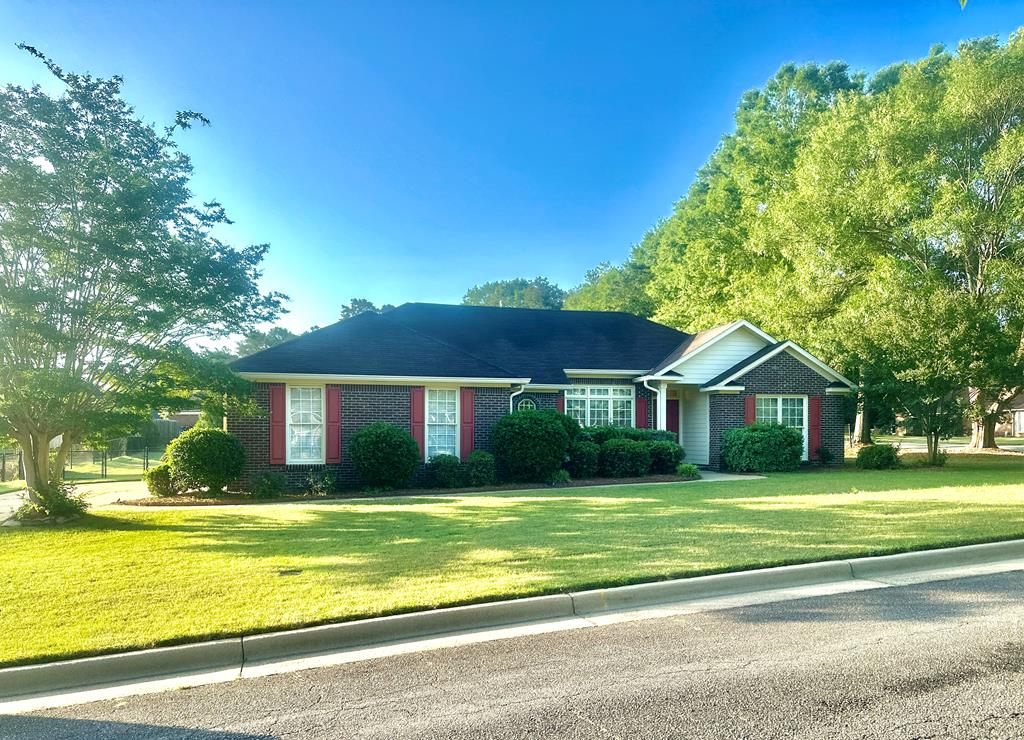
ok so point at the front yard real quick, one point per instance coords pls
(129, 579)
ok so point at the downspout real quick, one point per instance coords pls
(512, 396)
(655, 392)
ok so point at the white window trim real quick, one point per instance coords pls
(531, 407)
(807, 419)
(288, 425)
(588, 397)
(426, 419)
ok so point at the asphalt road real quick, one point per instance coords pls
(931, 661)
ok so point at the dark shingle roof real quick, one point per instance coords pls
(439, 340)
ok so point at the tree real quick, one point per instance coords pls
(107, 270)
(516, 293)
(619, 288)
(357, 306)
(257, 341)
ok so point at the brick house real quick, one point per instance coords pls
(448, 373)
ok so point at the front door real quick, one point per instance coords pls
(672, 412)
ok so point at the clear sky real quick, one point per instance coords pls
(406, 151)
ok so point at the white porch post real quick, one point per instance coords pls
(662, 405)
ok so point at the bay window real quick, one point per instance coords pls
(305, 422)
(442, 421)
(597, 406)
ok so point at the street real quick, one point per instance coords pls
(944, 659)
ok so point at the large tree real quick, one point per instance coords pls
(622, 287)
(357, 306)
(516, 293)
(108, 270)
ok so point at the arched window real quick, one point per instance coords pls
(526, 404)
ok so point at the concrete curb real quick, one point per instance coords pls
(232, 655)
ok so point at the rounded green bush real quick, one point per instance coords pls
(529, 446)
(572, 427)
(600, 435)
(665, 456)
(479, 469)
(584, 459)
(159, 482)
(878, 457)
(762, 448)
(625, 458)
(384, 455)
(444, 471)
(270, 485)
(205, 458)
(648, 435)
(688, 471)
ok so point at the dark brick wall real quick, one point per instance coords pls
(545, 401)
(361, 405)
(781, 374)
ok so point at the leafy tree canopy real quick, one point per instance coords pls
(357, 306)
(516, 293)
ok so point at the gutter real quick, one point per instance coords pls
(511, 398)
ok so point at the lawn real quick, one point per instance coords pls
(893, 439)
(128, 579)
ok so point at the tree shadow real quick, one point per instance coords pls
(25, 727)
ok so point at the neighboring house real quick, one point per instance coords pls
(448, 373)
(1013, 426)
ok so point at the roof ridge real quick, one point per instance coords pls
(443, 343)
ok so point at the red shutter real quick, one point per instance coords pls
(560, 403)
(813, 426)
(417, 413)
(750, 409)
(277, 424)
(333, 424)
(641, 412)
(467, 424)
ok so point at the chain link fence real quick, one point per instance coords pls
(120, 461)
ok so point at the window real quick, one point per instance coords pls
(305, 425)
(788, 410)
(596, 406)
(527, 404)
(442, 421)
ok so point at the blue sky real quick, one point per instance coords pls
(406, 151)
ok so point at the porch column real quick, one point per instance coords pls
(662, 405)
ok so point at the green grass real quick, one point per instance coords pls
(11, 485)
(85, 466)
(129, 579)
(893, 439)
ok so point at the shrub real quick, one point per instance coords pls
(584, 459)
(762, 448)
(159, 482)
(825, 456)
(688, 471)
(320, 482)
(560, 478)
(270, 485)
(600, 435)
(878, 457)
(572, 427)
(444, 471)
(529, 445)
(205, 458)
(55, 500)
(648, 435)
(479, 469)
(385, 456)
(624, 458)
(665, 456)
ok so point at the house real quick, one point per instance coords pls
(448, 373)
(1013, 426)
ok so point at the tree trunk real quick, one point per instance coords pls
(35, 447)
(983, 433)
(862, 426)
(933, 447)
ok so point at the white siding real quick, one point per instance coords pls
(695, 427)
(720, 356)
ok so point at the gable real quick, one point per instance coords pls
(717, 357)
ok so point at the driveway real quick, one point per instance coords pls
(944, 659)
(99, 495)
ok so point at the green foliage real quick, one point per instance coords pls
(689, 471)
(270, 485)
(762, 448)
(360, 305)
(205, 459)
(610, 288)
(321, 482)
(111, 269)
(516, 293)
(600, 435)
(445, 471)
(529, 446)
(665, 456)
(159, 481)
(625, 458)
(878, 457)
(257, 341)
(572, 427)
(385, 456)
(584, 459)
(825, 456)
(479, 469)
(560, 478)
(52, 500)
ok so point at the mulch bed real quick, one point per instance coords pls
(343, 495)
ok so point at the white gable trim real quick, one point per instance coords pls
(741, 324)
(796, 351)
